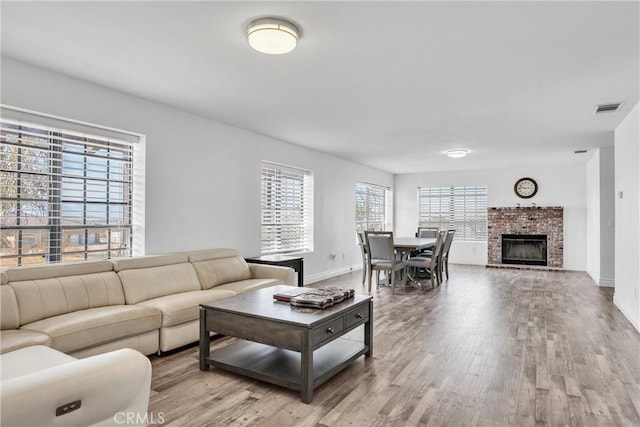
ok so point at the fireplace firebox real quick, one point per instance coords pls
(527, 249)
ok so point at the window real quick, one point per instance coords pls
(64, 195)
(287, 209)
(462, 208)
(373, 207)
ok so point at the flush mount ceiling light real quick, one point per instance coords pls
(274, 36)
(457, 153)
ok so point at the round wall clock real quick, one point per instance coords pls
(526, 188)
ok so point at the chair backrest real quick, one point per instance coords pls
(447, 242)
(439, 245)
(427, 231)
(380, 244)
(362, 241)
(436, 251)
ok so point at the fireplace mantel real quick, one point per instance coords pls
(545, 220)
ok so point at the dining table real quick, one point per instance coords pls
(404, 246)
(409, 244)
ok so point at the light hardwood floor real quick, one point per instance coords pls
(490, 347)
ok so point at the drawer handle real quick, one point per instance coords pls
(329, 330)
(359, 316)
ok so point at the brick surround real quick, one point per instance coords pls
(542, 220)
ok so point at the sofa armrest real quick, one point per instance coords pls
(115, 384)
(264, 271)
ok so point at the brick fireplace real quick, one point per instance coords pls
(528, 221)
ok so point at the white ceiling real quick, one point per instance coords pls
(388, 84)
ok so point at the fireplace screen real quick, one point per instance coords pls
(528, 249)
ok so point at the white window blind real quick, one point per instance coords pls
(287, 209)
(65, 195)
(373, 210)
(461, 208)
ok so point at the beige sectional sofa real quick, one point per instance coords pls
(146, 303)
(79, 307)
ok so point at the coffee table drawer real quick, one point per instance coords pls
(327, 331)
(356, 317)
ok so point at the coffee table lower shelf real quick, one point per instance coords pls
(282, 367)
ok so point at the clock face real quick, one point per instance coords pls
(526, 188)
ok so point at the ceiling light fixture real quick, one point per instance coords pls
(274, 36)
(457, 153)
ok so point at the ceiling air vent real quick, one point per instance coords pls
(608, 108)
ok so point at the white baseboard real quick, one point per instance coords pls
(312, 278)
(616, 302)
(606, 283)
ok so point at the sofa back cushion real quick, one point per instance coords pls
(9, 317)
(219, 266)
(151, 277)
(45, 291)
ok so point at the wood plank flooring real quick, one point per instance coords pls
(490, 347)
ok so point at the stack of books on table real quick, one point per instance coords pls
(315, 298)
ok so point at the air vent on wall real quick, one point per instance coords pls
(608, 108)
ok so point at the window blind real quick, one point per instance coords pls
(461, 208)
(65, 195)
(287, 209)
(372, 207)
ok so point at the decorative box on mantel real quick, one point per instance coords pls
(546, 221)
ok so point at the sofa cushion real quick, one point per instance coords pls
(143, 284)
(185, 306)
(41, 298)
(121, 264)
(145, 343)
(9, 316)
(85, 328)
(48, 271)
(13, 339)
(208, 254)
(249, 285)
(219, 266)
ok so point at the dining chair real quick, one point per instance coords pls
(444, 261)
(362, 242)
(443, 255)
(431, 264)
(430, 232)
(382, 257)
(427, 232)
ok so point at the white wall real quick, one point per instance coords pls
(557, 186)
(607, 217)
(627, 230)
(203, 177)
(601, 216)
(593, 216)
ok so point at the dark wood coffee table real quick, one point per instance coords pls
(288, 346)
